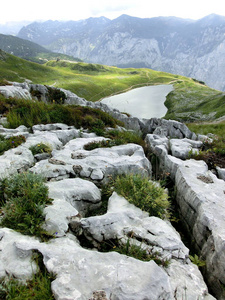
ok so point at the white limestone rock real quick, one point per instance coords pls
(15, 160)
(221, 173)
(17, 92)
(98, 164)
(182, 148)
(13, 260)
(201, 198)
(57, 216)
(124, 219)
(46, 137)
(81, 194)
(80, 272)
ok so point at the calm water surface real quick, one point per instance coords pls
(145, 102)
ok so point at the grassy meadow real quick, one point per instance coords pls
(190, 100)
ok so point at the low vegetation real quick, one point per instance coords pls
(9, 143)
(212, 152)
(116, 137)
(23, 198)
(29, 113)
(190, 100)
(133, 250)
(143, 193)
(40, 148)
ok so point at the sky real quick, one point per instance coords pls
(42, 10)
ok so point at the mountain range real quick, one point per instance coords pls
(29, 50)
(180, 46)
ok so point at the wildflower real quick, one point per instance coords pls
(13, 142)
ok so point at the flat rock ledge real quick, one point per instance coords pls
(201, 199)
(75, 177)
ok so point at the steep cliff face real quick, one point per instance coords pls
(191, 48)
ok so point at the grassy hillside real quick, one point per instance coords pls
(29, 50)
(190, 100)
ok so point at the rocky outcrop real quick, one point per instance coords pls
(73, 175)
(201, 199)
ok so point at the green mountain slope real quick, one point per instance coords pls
(190, 100)
(29, 50)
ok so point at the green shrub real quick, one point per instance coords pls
(56, 95)
(40, 148)
(12, 142)
(24, 196)
(145, 194)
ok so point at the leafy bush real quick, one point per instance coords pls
(56, 95)
(40, 148)
(12, 142)
(24, 197)
(145, 194)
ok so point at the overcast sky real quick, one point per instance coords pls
(27, 10)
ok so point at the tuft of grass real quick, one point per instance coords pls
(23, 198)
(9, 143)
(29, 113)
(117, 137)
(40, 148)
(145, 194)
(133, 250)
(204, 128)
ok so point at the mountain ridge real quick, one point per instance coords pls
(193, 48)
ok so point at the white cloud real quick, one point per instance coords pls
(16, 10)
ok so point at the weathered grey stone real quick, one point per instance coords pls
(15, 160)
(82, 272)
(123, 220)
(169, 128)
(45, 137)
(180, 148)
(98, 164)
(50, 127)
(15, 92)
(41, 92)
(72, 98)
(81, 194)
(201, 198)
(15, 262)
(53, 171)
(57, 217)
(221, 172)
